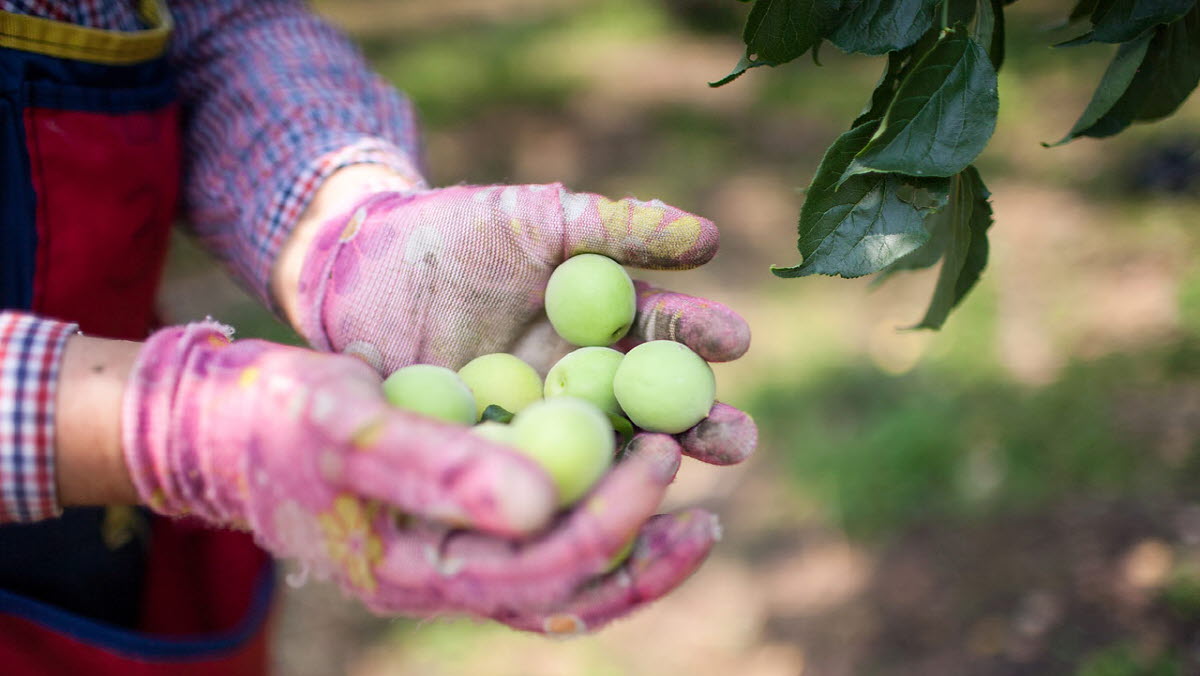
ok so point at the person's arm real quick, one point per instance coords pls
(276, 101)
(302, 449)
(91, 387)
(60, 416)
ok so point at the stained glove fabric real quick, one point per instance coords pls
(440, 276)
(410, 515)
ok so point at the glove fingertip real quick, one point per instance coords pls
(725, 339)
(513, 499)
(661, 454)
(726, 437)
(671, 548)
(709, 328)
(641, 234)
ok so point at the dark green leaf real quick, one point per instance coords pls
(899, 64)
(778, 31)
(989, 29)
(1085, 39)
(868, 222)
(1171, 69)
(959, 11)
(1123, 20)
(781, 30)
(964, 222)
(881, 26)
(885, 89)
(927, 254)
(496, 413)
(744, 64)
(1113, 85)
(622, 427)
(942, 116)
(1082, 10)
(1148, 79)
(985, 24)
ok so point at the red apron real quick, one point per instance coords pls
(89, 182)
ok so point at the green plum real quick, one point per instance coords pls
(503, 380)
(587, 373)
(664, 387)
(433, 391)
(571, 439)
(497, 432)
(590, 300)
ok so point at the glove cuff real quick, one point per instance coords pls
(164, 426)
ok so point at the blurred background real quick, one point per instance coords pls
(1016, 494)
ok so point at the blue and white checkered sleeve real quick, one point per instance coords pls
(31, 351)
(276, 100)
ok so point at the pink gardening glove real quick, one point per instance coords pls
(443, 276)
(301, 449)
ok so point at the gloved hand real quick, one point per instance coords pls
(301, 449)
(442, 276)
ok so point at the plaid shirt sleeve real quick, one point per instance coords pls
(275, 101)
(31, 351)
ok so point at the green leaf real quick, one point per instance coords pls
(959, 11)
(881, 26)
(1116, 80)
(1082, 10)
(989, 29)
(781, 30)
(866, 223)
(622, 427)
(1171, 69)
(964, 224)
(899, 64)
(496, 413)
(885, 89)
(1148, 79)
(744, 64)
(924, 256)
(1123, 20)
(778, 31)
(941, 117)
(1085, 39)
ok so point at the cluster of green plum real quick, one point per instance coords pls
(569, 423)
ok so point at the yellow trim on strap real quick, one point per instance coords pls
(80, 43)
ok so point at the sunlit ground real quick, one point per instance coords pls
(1016, 494)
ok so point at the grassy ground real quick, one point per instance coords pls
(1014, 495)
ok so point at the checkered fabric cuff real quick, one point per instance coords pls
(31, 351)
(290, 202)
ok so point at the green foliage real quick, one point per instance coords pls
(1117, 21)
(622, 427)
(1124, 659)
(990, 29)
(940, 116)
(882, 26)
(865, 223)
(1189, 300)
(873, 206)
(960, 234)
(779, 31)
(1102, 112)
(1148, 79)
(951, 440)
(1182, 595)
(496, 413)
